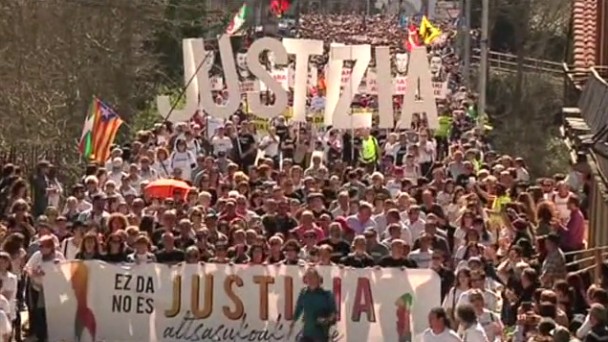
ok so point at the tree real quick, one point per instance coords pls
(57, 54)
(524, 104)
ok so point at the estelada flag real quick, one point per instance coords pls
(279, 7)
(413, 40)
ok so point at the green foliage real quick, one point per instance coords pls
(526, 127)
(149, 115)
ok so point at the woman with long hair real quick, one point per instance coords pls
(464, 224)
(117, 221)
(116, 248)
(462, 284)
(545, 216)
(19, 191)
(89, 248)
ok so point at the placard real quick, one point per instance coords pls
(94, 301)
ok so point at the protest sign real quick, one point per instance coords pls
(342, 83)
(94, 301)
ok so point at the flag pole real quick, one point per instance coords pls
(183, 91)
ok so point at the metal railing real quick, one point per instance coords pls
(589, 260)
(506, 62)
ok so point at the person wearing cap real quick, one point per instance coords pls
(554, 265)
(46, 255)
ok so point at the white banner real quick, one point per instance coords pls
(94, 301)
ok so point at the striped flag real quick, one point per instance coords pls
(240, 18)
(99, 131)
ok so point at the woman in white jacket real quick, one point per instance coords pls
(183, 159)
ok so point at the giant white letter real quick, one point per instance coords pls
(163, 102)
(233, 101)
(419, 95)
(384, 85)
(256, 68)
(337, 108)
(303, 49)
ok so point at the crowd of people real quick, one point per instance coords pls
(418, 198)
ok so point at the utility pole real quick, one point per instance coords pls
(467, 42)
(483, 62)
(461, 29)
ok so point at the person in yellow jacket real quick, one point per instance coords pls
(370, 151)
(442, 134)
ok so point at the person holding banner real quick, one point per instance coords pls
(33, 268)
(317, 307)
